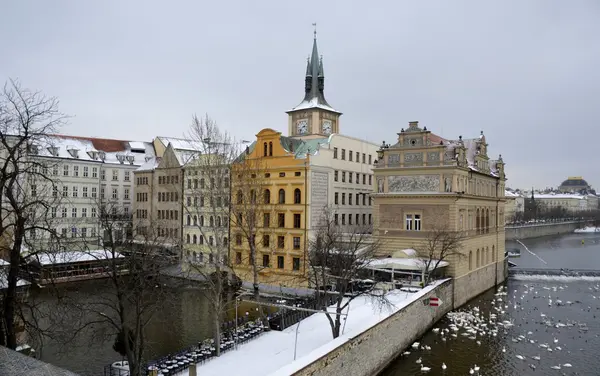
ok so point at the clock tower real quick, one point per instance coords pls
(313, 117)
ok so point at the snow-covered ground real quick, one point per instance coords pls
(273, 352)
(587, 230)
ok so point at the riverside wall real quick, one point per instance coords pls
(542, 229)
(369, 352)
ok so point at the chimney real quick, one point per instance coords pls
(413, 124)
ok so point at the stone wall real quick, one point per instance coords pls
(546, 229)
(470, 285)
(371, 351)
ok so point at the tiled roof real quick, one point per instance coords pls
(104, 144)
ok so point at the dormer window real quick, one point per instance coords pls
(93, 154)
(121, 158)
(33, 149)
(53, 150)
(102, 155)
(130, 159)
(73, 151)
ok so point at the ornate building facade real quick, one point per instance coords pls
(426, 183)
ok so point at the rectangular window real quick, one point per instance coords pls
(297, 173)
(281, 219)
(63, 232)
(335, 198)
(335, 175)
(280, 262)
(55, 170)
(75, 191)
(85, 192)
(84, 232)
(33, 190)
(126, 194)
(102, 192)
(343, 176)
(102, 174)
(94, 172)
(54, 191)
(66, 170)
(238, 258)
(350, 155)
(364, 178)
(266, 220)
(364, 158)
(115, 175)
(266, 261)
(297, 221)
(296, 242)
(76, 171)
(86, 171)
(335, 219)
(413, 222)
(417, 222)
(74, 213)
(370, 179)
(343, 154)
(65, 191)
(73, 232)
(370, 159)
(83, 212)
(358, 219)
(94, 192)
(343, 219)
(115, 193)
(335, 153)
(64, 213)
(266, 241)
(127, 176)
(343, 199)
(349, 198)
(238, 239)
(53, 212)
(280, 241)
(93, 212)
(364, 217)
(349, 177)
(364, 199)
(93, 232)
(349, 219)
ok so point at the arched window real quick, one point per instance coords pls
(487, 220)
(281, 196)
(493, 254)
(189, 255)
(211, 221)
(487, 255)
(478, 221)
(201, 239)
(202, 183)
(201, 220)
(240, 198)
(297, 196)
(225, 241)
(187, 238)
(270, 149)
(267, 197)
(252, 196)
(218, 221)
(195, 256)
(195, 239)
(189, 220)
(477, 258)
(195, 183)
(201, 259)
(265, 147)
(195, 220)
(470, 260)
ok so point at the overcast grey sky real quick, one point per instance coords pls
(527, 73)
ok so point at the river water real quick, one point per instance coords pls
(569, 324)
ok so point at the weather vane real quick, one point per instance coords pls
(315, 32)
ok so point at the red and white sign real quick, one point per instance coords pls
(435, 301)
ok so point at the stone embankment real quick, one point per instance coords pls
(541, 229)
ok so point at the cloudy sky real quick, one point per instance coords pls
(527, 73)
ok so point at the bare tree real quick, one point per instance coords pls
(441, 244)
(206, 215)
(27, 118)
(339, 257)
(136, 290)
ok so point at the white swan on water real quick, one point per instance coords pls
(444, 366)
(555, 367)
(425, 369)
(520, 357)
(418, 361)
(567, 365)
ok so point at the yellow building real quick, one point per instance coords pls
(427, 183)
(268, 188)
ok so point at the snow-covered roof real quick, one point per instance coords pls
(4, 281)
(511, 194)
(3, 262)
(68, 257)
(149, 165)
(400, 263)
(95, 150)
(558, 196)
(180, 143)
(313, 103)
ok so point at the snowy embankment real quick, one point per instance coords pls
(586, 230)
(273, 352)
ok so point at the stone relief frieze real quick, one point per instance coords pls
(413, 157)
(433, 156)
(393, 159)
(416, 183)
(413, 141)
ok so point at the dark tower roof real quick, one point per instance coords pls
(314, 83)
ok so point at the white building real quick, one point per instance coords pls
(571, 202)
(90, 176)
(514, 206)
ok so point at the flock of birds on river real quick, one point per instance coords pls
(474, 325)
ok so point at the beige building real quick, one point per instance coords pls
(571, 202)
(514, 206)
(424, 182)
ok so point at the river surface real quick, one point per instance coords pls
(183, 320)
(539, 312)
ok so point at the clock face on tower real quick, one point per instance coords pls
(302, 126)
(326, 127)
